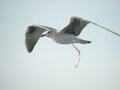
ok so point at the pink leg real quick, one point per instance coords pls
(78, 59)
(76, 49)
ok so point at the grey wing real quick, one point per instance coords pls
(75, 26)
(32, 35)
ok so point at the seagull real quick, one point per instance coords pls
(68, 35)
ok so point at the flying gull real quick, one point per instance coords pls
(67, 35)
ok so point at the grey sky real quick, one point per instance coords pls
(51, 66)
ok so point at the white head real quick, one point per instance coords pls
(49, 33)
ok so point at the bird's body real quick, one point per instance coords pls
(67, 35)
(66, 38)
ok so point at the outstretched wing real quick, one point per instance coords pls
(32, 35)
(75, 26)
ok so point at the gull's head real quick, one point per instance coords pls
(49, 33)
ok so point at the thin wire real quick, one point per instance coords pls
(100, 26)
(106, 29)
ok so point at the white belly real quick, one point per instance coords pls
(66, 39)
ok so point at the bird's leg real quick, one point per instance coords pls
(76, 49)
(78, 59)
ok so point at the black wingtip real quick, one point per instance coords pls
(28, 45)
(89, 41)
(29, 51)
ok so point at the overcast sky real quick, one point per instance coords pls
(51, 66)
